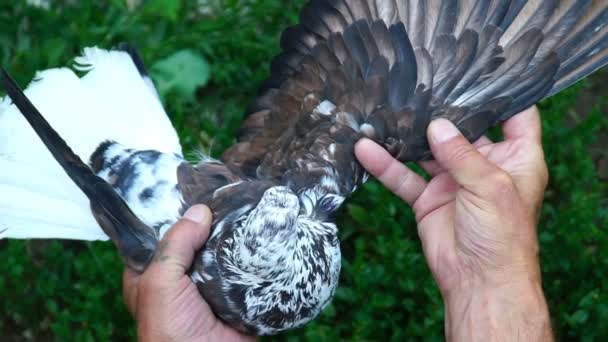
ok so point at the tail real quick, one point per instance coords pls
(112, 101)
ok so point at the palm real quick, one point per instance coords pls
(447, 213)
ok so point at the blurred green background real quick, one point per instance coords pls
(67, 291)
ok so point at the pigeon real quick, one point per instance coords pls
(103, 161)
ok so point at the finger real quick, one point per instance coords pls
(525, 125)
(130, 279)
(460, 158)
(483, 141)
(398, 178)
(433, 168)
(441, 191)
(175, 252)
(526, 164)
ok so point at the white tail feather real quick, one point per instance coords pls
(111, 102)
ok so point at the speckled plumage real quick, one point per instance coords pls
(381, 69)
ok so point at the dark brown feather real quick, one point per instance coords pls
(392, 66)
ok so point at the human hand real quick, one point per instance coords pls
(477, 223)
(163, 300)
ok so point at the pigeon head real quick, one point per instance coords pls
(274, 217)
(274, 263)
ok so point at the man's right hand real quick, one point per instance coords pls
(477, 223)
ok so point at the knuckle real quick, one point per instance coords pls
(544, 174)
(180, 224)
(147, 284)
(544, 178)
(501, 185)
(384, 169)
(460, 153)
(402, 182)
(150, 284)
(178, 229)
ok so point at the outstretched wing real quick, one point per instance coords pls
(386, 68)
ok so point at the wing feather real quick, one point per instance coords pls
(389, 67)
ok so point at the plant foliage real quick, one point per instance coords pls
(72, 291)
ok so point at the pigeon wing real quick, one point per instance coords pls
(385, 68)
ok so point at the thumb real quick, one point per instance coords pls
(176, 251)
(460, 158)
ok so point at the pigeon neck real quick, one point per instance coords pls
(327, 179)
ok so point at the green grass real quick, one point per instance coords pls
(71, 291)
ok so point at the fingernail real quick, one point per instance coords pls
(442, 130)
(196, 214)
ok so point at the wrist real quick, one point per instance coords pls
(498, 312)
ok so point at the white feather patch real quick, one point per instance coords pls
(110, 102)
(325, 108)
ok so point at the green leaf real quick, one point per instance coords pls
(358, 213)
(579, 317)
(181, 73)
(164, 8)
(55, 49)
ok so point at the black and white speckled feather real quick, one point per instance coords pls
(270, 267)
(381, 69)
(147, 180)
